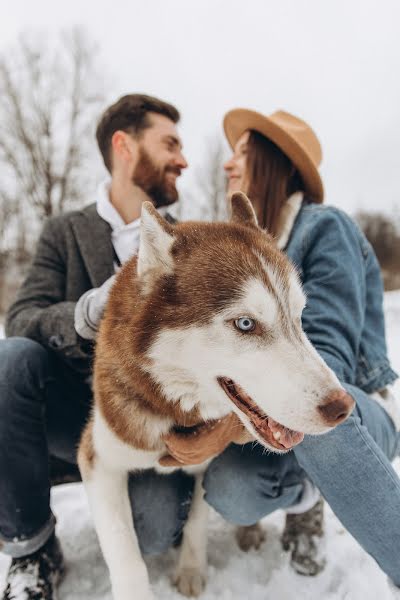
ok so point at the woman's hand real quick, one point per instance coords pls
(203, 442)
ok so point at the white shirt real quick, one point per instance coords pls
(125, 237)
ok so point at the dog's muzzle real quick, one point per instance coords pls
(270, 431)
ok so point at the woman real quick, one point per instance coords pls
(275, 161)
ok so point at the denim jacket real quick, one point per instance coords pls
(343, 317)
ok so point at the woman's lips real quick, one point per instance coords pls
(276, 435)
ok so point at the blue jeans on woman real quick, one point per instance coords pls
(351, 467)
(43, 409)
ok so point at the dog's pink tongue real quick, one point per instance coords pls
(288, 437)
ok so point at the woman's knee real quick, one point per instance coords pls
(326, 457)
(160, 508)
(368, 427)
(236, 502)
(245, 488)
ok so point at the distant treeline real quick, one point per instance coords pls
(383, 233)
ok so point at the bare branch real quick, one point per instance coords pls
(211, 180)
(15, 102)
(49, 100)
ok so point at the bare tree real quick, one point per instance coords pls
(7, 213)
(49, 98)
(383, 233)
(211, 180)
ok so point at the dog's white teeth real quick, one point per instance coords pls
(277, 435)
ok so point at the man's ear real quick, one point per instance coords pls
(242, 211)
(120, 147)
(156, 240)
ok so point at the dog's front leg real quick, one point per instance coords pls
(109, 500)
(190, 574)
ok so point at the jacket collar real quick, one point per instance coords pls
(109, 213)
(93, 236)
(287, 217)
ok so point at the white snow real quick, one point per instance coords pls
(232, 575)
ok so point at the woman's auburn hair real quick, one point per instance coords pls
(271, 178)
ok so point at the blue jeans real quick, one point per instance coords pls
(351, 467)
(43, 408)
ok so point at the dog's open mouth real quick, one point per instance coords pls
(272, 432)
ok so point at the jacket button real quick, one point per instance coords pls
(56, 341)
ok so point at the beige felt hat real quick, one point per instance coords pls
(292, 135)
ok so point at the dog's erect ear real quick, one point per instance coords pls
(242, 210)
(156, 240)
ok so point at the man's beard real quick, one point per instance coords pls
(152, 180)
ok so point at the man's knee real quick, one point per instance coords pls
(18, 354)
(23, 364)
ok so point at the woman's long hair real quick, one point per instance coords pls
(270, 179)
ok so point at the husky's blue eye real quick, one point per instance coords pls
(245, 324)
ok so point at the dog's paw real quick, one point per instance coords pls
(249, 537)
(190, 581)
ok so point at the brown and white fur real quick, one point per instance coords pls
(171, 352)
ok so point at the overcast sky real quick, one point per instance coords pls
(335, 63)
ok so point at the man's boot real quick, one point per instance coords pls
(35, 577)
(303, 538)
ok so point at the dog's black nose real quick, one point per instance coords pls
(337, 406)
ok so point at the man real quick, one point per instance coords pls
(45, 364)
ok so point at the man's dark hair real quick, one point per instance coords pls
(130, 114)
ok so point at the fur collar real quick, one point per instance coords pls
(287, 218)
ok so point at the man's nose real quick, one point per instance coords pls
(181, 161)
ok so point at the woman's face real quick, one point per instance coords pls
(235, 167)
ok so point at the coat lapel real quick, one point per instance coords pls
(287, 217)
(93, 236)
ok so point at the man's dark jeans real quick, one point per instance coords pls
(43, 408)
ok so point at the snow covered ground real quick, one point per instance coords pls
(350, 575)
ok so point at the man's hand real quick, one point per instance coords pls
(89, 309)
(203, 442)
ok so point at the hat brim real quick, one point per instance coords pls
(239, 120)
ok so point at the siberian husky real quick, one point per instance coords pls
(205, 321)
